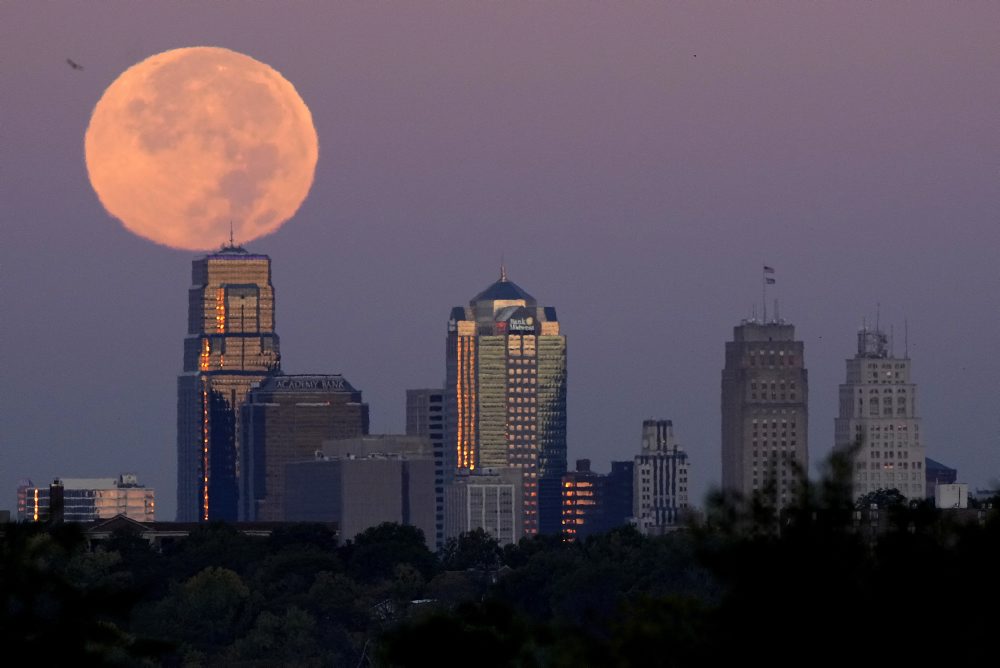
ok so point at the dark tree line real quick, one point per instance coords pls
(744, 584)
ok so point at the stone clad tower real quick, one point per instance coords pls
(765, 416)
(878, 417)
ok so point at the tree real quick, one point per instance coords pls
(476, 549)
(375, 552)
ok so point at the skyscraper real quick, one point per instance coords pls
(660, 483)
(765, 414)
(425, 418)
(878, 414)
(286, 418)
(231, 345)
(505, 390)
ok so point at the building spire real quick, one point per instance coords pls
(232, 243)
(503, 270)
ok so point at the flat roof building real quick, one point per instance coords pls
(487, 499)
(287, 418)
(765, 415)
(362, 482)
(86, 500)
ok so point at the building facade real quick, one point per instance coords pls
(425, 418)
(286, 418)
(765, 416)
(505, 392)
(487, 499)
(86, 500)
(231, 346)
(593, 503)
(878, 420)
(359, 483)
(660, 480)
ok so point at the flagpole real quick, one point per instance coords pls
(763, 290)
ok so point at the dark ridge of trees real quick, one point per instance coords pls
(744, 583)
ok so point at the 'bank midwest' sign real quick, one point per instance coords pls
(521, 324)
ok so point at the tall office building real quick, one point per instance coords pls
(425, 418)
(765, 416)
(505, 391)
(660, 482)
(878, 413)
(230, 346)
(286, 418)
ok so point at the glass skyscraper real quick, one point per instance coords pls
(505, 390)
(230, 346)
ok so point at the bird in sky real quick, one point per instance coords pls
(75, 65)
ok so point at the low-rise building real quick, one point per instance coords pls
(488, 499)
(86, 500)
(362, 482)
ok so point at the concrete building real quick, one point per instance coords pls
(231, 345)
(594, 503)
(86, 500)
(878, 420)
(765, 417)
(286, 418)
(425, 418)
(359, 483)
(951, 496)
(505, 392)
(488, 499)
(660, 480)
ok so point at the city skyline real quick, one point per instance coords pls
(635, 168)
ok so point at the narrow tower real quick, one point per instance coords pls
(764, 410)
(878, 419)
(230, 345)
(505, 392)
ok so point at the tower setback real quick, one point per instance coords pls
(878, 420)
(231, 345)
(505, 392)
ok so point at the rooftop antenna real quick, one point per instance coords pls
(906, 339)
(232, 244)
(878, 313)
(777, 318)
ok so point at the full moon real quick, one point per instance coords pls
(191, 141)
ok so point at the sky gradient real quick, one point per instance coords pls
(635, 165)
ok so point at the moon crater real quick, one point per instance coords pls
(189, 141)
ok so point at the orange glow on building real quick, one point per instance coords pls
(220, 310)
(205, 353)
(204, 454)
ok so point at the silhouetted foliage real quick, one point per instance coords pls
(745, 580)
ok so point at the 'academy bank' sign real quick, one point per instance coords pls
(328, 383)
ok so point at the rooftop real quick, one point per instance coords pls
(504, 290)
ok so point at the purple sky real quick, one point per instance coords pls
(635, 167)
